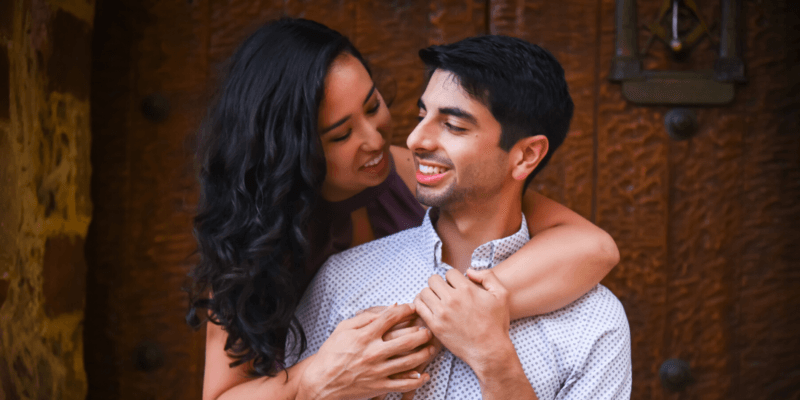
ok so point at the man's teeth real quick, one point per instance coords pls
(375, 161)
(428, 170)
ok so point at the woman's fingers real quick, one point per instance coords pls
(408, 362)
(396, 333)
(389, 318)
(406, 342)
(373, 309)
(359, 321)
(406, 385)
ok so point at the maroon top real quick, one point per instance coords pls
(391, 208)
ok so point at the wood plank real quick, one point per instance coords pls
(633, 206)
(116, 29)
(389, 36)
(767, 320)
(231, 21)
(453, 20)
(705, 217)
(148, 267)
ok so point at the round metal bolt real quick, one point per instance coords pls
(155, 107)
(675, 375)
(148, 356)
(681, 123)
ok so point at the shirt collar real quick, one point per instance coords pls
(485, 256)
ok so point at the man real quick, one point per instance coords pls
(493, 111)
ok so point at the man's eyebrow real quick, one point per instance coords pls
(343, 120)
(459, 113)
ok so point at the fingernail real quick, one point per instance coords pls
(415, 375)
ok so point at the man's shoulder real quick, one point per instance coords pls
(594, 314)
(571, 336)
(599, 307)
(370, 258)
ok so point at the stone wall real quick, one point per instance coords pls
(45, 205)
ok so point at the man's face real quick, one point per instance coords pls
(456, 146)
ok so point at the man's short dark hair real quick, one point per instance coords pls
(521, 84)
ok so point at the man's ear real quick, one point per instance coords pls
(526, 155)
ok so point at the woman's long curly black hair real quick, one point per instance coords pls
(261, 167)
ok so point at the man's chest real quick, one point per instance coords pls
(453, 379)
(382, 290)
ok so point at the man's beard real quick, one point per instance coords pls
(443, 197)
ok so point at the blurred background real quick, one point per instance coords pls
(99, 102)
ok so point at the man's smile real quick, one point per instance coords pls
(430, 174)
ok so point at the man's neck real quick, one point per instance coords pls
(464, 227)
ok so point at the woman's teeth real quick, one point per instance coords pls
(428, 170)
(375, 161)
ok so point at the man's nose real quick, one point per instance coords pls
(421, 138)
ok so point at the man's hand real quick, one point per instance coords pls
(469, 316)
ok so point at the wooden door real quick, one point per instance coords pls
(706, 227)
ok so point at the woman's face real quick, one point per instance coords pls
(356, 130)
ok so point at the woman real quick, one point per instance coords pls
(296, 165)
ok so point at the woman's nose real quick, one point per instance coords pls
(373, 138)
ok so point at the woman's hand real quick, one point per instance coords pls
(355, 361)
(405, 328)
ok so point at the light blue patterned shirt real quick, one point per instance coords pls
(581, 351)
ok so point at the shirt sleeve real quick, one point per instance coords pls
(605, 371)
(317, 314)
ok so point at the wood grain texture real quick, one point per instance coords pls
(142, 243)
(568, 177)
(706, 227)
(767, 320)
(705, 215)
(633, 206)
(389, 35)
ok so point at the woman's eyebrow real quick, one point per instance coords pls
(343, 120)
(371, 91)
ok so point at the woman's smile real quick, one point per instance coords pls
(377, 165)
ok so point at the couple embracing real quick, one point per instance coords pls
(334, 265)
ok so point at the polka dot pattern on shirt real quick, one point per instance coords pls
(581, 351)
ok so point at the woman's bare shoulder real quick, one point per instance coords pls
(404, 164)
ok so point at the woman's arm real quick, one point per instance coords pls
(354, 361)
(566, 257)
(223, 382)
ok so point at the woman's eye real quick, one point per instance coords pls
(342, 138)
(453, 127)
(420, 118)
(375, 108)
